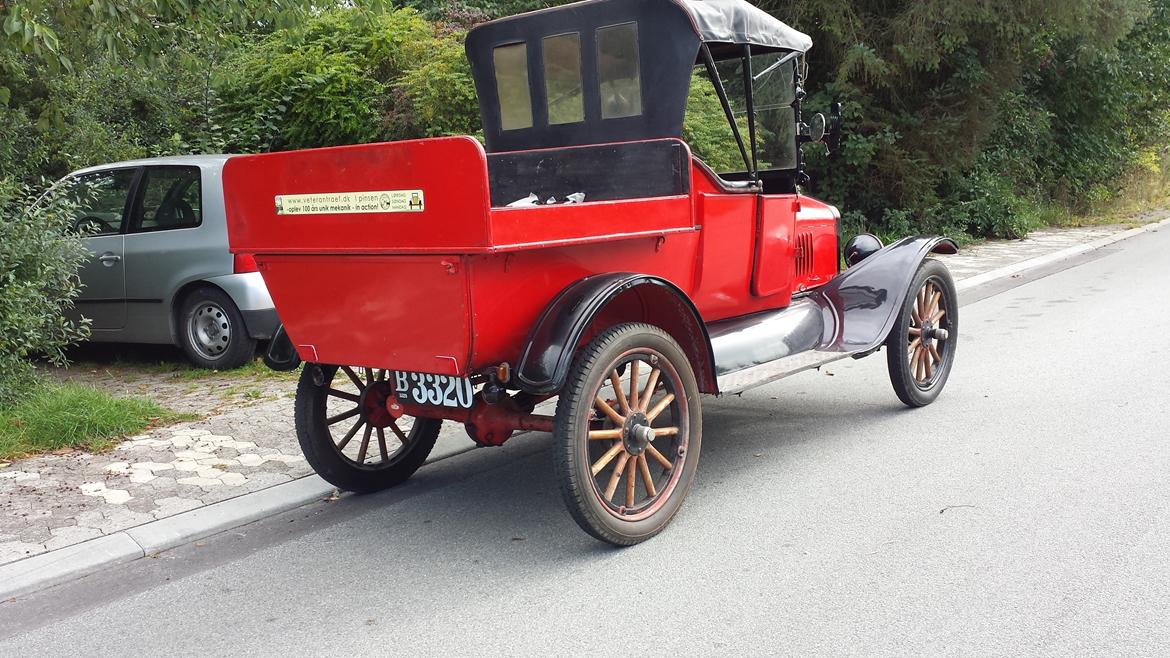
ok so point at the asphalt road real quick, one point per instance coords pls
(1025, 512)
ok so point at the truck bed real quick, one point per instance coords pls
(394, 255)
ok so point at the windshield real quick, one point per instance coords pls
(774, 92)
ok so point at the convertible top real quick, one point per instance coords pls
(667, 36)
(738, 22)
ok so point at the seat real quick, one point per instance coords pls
(729, 186)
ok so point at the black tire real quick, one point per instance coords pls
(918, 380)
(623, 351)
(345, 460)
(212, 332)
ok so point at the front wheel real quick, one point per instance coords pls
(627, 435)
(920, 349)
(347, 434)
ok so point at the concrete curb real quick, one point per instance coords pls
(72, 562)
(1056, 256)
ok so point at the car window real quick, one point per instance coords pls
(171, 198)
(562, 78)
(515, 97)
(617, 67)
(99, 200)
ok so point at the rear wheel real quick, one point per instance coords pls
(348, 436)
(212, 331)
(628, 432)
(921, 347)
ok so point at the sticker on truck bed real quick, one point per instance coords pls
(339, 203)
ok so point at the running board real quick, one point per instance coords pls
(742, 380)
(758, 349)
(851, 315)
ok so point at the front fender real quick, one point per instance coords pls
(551, 345)
(862, 304)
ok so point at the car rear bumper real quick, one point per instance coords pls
(262, 324)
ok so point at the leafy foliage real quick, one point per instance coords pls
(973, 117)
(105, 111)
(39, 258)
(960, 116)
(347, 76)
(58, 33)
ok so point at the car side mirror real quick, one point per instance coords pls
(816, 128)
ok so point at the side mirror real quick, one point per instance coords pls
(816, 129)
(833, 136)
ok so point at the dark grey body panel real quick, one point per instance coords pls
(605, 172)
(550, 347)
(862, 303)
(261, 324)
(850, 315)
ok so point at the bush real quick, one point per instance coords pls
(347, 76)
(39, 259)
(438, 95)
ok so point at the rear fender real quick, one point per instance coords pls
(862, 303)
(614, 299)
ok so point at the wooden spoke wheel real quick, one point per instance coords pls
(628, 433)
(348, 436)
(921, 347)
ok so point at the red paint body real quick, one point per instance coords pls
(457, 287)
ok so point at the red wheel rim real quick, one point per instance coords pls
(374, 439)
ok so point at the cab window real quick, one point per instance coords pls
(99, 200)
(171, 199)
(618, 71)
(562, 78)
(515, 97)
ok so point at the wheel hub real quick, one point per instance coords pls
(210, 330)
(373, 404)
(637, 433)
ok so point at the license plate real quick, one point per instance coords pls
(434, 390)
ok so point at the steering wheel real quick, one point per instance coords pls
(96, 222)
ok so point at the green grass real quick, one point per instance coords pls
(254, 369)
(72, 415)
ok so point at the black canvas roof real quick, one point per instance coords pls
(669, 36)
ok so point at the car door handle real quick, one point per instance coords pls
(108, 259)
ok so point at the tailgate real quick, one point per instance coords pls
(397, 312)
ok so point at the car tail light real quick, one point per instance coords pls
(245, 263)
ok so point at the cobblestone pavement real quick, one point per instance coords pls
(246, 442)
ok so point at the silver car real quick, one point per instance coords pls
(161, 271)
